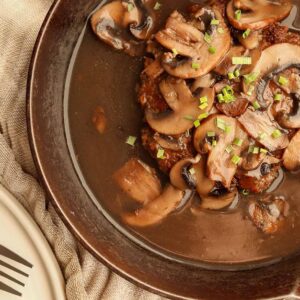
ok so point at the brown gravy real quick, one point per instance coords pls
(102, 76)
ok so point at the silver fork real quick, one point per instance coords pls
(15, 257)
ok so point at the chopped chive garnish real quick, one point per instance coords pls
(262, 135)
(282, 80)
(192, 171)
(203, 100)
(220, 124)
(197, 123)
(245, 192)
(241, 60)
(236, 159)
(214, 143)
(229, 90)
(220, 30)
(227, 129)
(246, 33)
(250, 90)
(175, 52)
(157, 6)
(263, 150)
(211, 133)
(238, 142)
(220, 98)
(236, 73)
(160, 154)
(250, 149)
(212, 50)
(207, 38)
(231, 76)
(276, 134)
(189, 118)
(130, 7)
(278, 97)
(255, 150)
(229, 149)
(131, 140)
(238, 14)
(256, 105)
(214, 22)
(195, 66)
(203, 116)
(249, 78)
(203, 105)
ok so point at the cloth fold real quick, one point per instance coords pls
(86, 278)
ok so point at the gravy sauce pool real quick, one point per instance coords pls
(101, 76)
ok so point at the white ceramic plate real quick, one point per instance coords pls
(19, 233)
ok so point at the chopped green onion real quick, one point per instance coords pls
(250, 90)
(220, 98)
(241, 60)
(238, 142)
(256, 105)
(203, 105)
(197, 123)
(220, 124)
(192, 171)
(262, 135)
(212, 50)
(157, 6)
(220, 30)
(214, 22)
(278, 97)
(203, 116)
(203, 100)
(238, 14)
(276, 134)
(245, 192)
(236, 73)
(249, 78)
(250, 149)
(236, 159)
(131, 140)
(231, 75)
(189, 118)
(210, 133)
(229, 89)
(195, 66)
(229, 149)
(214, 143)
(229, 98)
(160, 154)
(255, 150)
(130, 7)
(282, 80)
(262, 150)
(246, 33)
(175, 52)
(207, 38)
(227, 129)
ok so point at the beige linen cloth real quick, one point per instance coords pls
(86, 278)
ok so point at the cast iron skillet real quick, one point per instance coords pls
(47, 75)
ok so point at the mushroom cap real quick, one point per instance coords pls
(257, 14)
(291, 156)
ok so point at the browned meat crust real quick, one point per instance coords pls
(171, 156)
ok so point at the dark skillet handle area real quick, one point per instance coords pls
(46, 87)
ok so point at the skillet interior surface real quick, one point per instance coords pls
(46, 109)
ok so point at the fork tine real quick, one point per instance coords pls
(11, 278)
(6, 265)
(12, 255)
(8, 289)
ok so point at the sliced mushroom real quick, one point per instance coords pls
(235, 108)
(185, 108)
(291, 156)
(205, 81)
(138, 181)
(216, 203)
(257, 14)
(262, 129)
(251, 41)
(110, 22)
(190, 43)
(157, 209)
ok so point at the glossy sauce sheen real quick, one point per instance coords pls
(102, 76)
